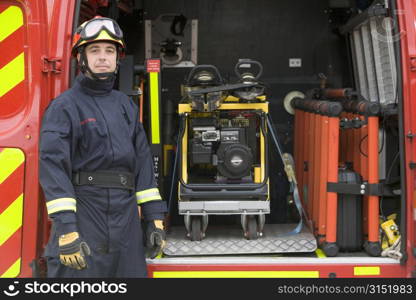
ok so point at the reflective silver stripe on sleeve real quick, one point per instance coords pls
(148, 195)
(61, 204)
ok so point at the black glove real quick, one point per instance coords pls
(155, 238)
(72, 251)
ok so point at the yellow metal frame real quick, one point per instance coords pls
(166, 149)
(184, 153)
(187, 108)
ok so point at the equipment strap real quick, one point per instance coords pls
(288, 162)
(107, 179)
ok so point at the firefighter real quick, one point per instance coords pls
(96, 168)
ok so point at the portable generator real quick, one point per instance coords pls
(223, 149)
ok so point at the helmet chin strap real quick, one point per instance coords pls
(85, 68)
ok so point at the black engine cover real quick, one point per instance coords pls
(234, 160)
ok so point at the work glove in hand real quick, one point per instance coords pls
(72, 251)
(155, 238)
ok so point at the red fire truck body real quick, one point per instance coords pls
(35, 64)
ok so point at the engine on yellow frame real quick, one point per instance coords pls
(223, 149)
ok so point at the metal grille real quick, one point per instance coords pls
(373, 58)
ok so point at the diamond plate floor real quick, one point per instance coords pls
(230, 240)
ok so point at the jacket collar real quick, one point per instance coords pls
(95, 87)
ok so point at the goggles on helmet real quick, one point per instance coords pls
(93, 28)
(98, 29)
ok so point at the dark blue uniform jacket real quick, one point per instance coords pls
(92, 127)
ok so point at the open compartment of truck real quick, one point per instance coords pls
(313, 50)
(355, 167)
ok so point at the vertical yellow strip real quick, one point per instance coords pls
(257, 175)
(154, 107)
(262, 147)
(262, 158)
(13, 271)
(185, 154)
(11, 19)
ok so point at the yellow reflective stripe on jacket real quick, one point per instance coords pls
(148, 195)
(61, 204)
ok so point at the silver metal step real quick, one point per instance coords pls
(229, 240)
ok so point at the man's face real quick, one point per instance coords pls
(102, 57)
